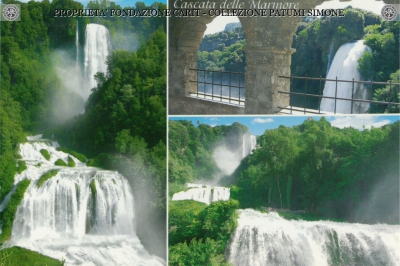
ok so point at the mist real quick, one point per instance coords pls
(228, 159)
(125, 40)
(66, 99)
(149, 219)
(382, 205)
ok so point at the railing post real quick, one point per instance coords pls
(212, 85)
(239, 90)
(290, 99)
(370, 100)
(390, 94)
(220, 88)
(230, 86)
(320, 94)
(305, 96)
(335, 95)
(197, 79)
(205, 85)
(352, 97)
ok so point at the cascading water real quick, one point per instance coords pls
(82, 214)
(344, 67)
(77, 44)
(97, 48)
(203, 193)
(330, 58)
(249, 144)
(268, 239)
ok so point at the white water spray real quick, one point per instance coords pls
(82, 214)
(227, 160)
(344, 67)
(77, 44)
(97, 48)
(203, 193)
(268, 239)
(330, 58)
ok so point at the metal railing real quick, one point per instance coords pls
(221, 86)
(319, 84)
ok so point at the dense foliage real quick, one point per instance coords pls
(46, 176)
(77, 155)
(25, 257)
(322, 169)
(380, 64)
(8, 214)
(198, 234)
(45, 153)
(223, 51)
(60, 162)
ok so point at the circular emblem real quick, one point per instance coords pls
(11, 12)
(389, 12)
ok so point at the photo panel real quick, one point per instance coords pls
(83, 133)
(284, 190)
(307, 57)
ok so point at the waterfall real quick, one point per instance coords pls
(97, 48)
(330, 57)
(82, 214)
(77, 44)
(344, 67)
(268, 239)
(203, 193)
(249, 144)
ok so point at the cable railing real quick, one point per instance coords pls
(221, 86)
(311, 99)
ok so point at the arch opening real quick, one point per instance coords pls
(221, 62)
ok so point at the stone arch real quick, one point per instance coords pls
(268, 55)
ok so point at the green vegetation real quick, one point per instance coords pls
(184, 221)
(46, 177)
(379, 64)
(223, 51)
(25, 257)
(21, 166)
(71, 162)
(7, 173)
(191, 149)
(197, 252)
(60, 162)
(45, 154)
(9, 212)
(93, 188)
(77, 155)
(207, 229)
(97, 161)
(323, 170)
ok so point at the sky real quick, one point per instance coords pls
(375, 6)
(258, 124)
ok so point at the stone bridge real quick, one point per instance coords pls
(268, 55)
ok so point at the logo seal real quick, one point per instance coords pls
(389, 12)
(11, 12)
